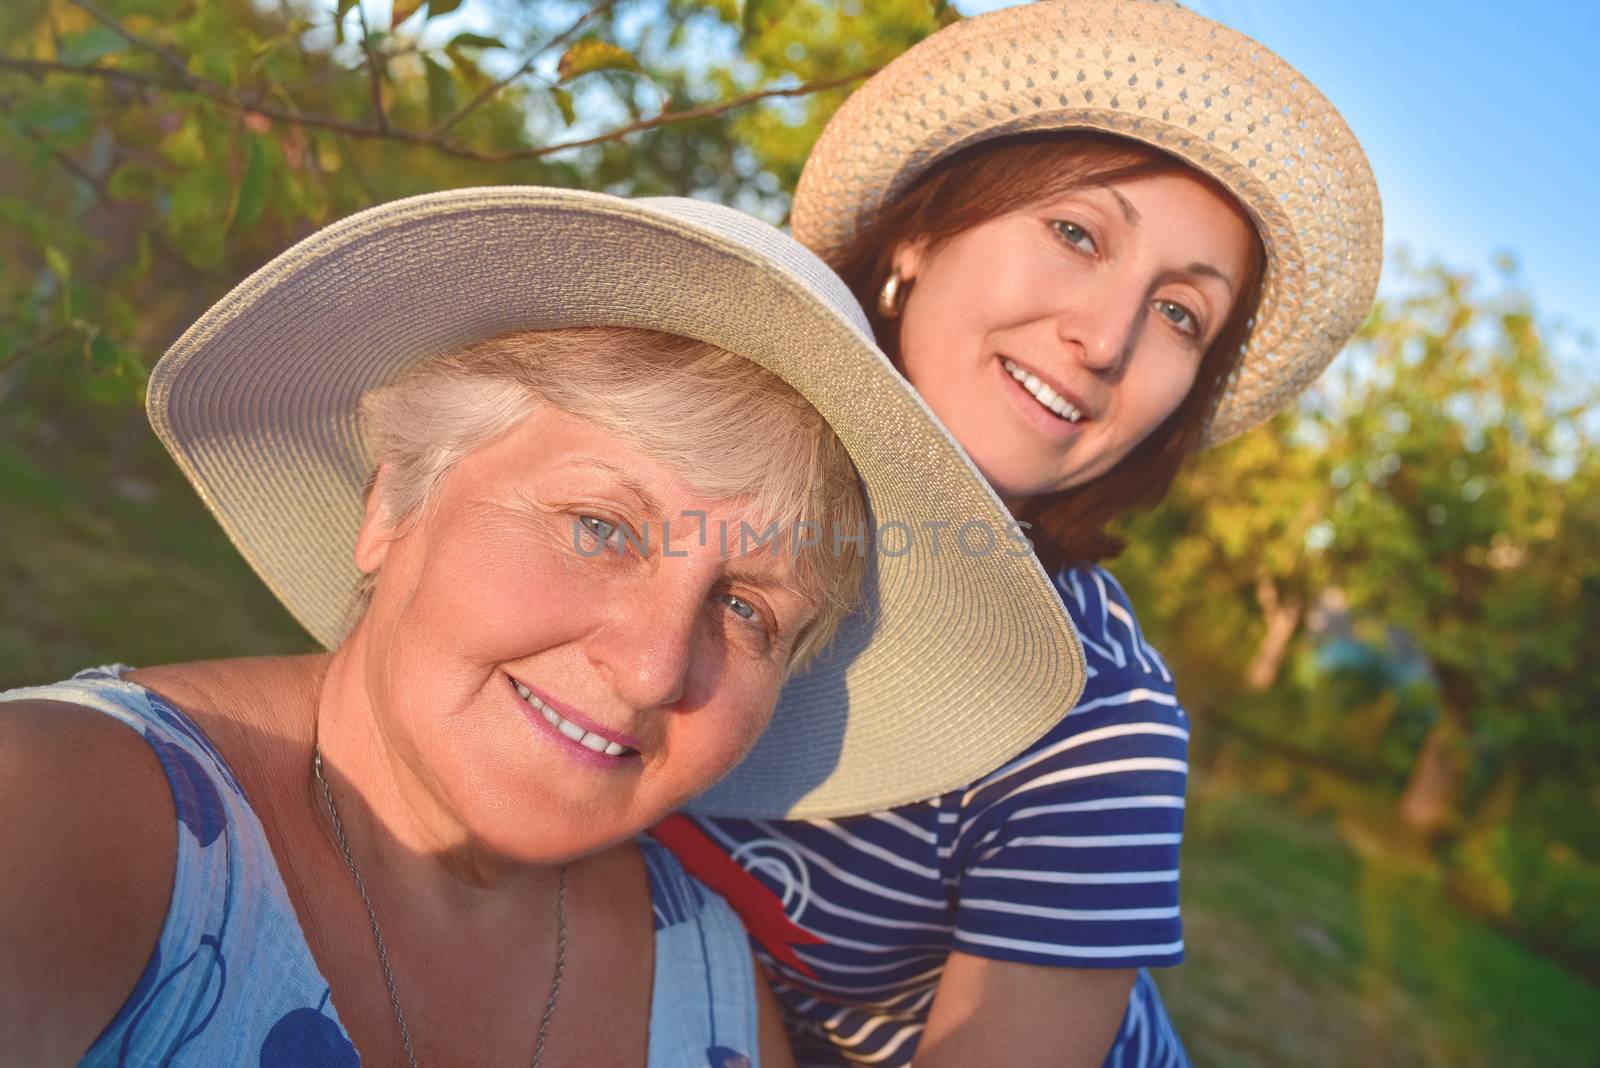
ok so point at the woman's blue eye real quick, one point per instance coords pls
(741, 608)
(598, 527)
(1074, 235)
(1178, 316)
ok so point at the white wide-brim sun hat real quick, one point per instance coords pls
(957, 660)
(1154, 72)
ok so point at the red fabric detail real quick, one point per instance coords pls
(758, 907)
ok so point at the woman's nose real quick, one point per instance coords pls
(645, 649)
(1103, 327)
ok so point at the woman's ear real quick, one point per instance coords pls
(377, 530)
(908, 258)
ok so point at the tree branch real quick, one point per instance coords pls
(98, 187)
(666, 118)
(494, 87)
(1311, 758)
(17, 355)
(583, 20)
(172, 61)
(38, 68)
(374, 72)
(367, 131)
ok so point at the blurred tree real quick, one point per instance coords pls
(157, 150)
(1435, 502)
(1442, 480)
(154, 152)
(1461, 470)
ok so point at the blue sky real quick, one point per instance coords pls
(1480, 119)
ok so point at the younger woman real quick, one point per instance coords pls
(1096, 236)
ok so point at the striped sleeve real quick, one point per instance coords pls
(1068, 855)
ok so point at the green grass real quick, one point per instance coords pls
(1313, 944)
(131, 569)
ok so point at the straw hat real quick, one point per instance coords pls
(1154, 72)
(258, 404)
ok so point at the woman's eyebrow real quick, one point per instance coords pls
(1210, 272)
(628, 482)
(1129, 212)
(768, 577)
(773, 582)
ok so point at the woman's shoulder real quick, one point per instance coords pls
(704, 992)
(1127, 733)
(676, 897)
(146, 893)
(81, 787)
(71, 764)
(90, 853)
(1115, 649)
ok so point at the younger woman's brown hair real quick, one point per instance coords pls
(997, 177)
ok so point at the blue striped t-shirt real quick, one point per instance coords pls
(1066, 856)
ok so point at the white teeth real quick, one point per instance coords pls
(587, 739)
(1043, 393)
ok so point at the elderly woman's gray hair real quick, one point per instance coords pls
(693, 406)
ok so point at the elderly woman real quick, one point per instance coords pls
(420, 844)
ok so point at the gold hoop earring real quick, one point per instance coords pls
(892, 298)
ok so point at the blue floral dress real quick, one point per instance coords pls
(232, 980)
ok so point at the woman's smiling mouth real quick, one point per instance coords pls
(593, 741)
(1052, 401)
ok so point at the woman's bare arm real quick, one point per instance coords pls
(775, 1051)
(1023, 1015)
(88, 844)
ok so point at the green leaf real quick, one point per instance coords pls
(132, 181)
(67, 121)
(198, 213)
(754, 14)
(185, 147)
(252, 185)
(563, 101)
(219, 66)
(19, 16)
(101, 353)
(592, 55)
(157, 8)
(264, 51)
(474, 40)
(441, 90)
(143, 255)
(86, 46)
(56, 260)
(442, 7)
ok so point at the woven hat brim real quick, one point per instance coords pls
(1153, 72)
(957, 661)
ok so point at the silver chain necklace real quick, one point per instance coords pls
(383, 953)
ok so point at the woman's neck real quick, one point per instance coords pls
(267, 716)
(400, 822)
